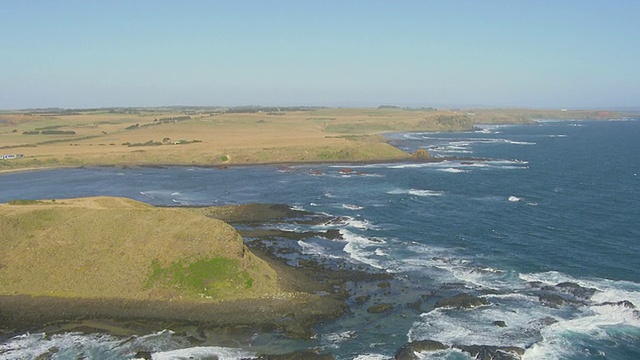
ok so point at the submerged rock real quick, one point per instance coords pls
(379, 308)
(409, 350)
(465, 301)
(500, 323)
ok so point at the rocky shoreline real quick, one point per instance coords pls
(343, 288)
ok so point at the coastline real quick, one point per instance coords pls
(409, 159)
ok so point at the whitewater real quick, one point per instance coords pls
(541, 221)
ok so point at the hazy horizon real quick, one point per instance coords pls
(550, 55)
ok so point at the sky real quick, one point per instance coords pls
(578, 54)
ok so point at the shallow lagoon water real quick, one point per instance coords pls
(549, 204)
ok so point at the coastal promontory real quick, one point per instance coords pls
(81, 259)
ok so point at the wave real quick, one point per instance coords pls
(556, 136)
(203, 352)
(352, 207)
(523, 318)
(519, 142)
(416, 192)
(350, 222)
(164, 345)
(371, 357)
(335, 339)
(516, 315)
(360, 249)
(453, 170)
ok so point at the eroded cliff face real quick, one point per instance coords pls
(105, 247)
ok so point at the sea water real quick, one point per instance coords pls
(513, 212)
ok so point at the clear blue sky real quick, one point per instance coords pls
(548, 53)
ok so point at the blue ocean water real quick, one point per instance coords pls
(528, 208)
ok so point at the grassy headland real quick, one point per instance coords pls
(103, 257)
(230, 136)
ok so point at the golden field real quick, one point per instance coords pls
(219, 136)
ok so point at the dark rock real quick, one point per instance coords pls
(363, 299)
(500, 323)
(384, 285)
(379, 308)
(428, 296)
(146, 355)
(407, 352)
(576, 290)
(545, 321)
(465, 301)
(483, 352)
(416, 305)
(624, 303)
(552, 300)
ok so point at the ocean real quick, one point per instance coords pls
(542, 221)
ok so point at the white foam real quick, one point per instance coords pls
(514, 198)
(593, 325)
(359, 248)
(78, 345)
(200, 352)
(593, 319)
(410, 165)
(335, 339)
(380, 252)
(31, 346)
(453, 170)
(361, 224)
(416, 192)
(314, 249)
(371, 357)
(521, 314)
(519, 142)
(352, 207)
